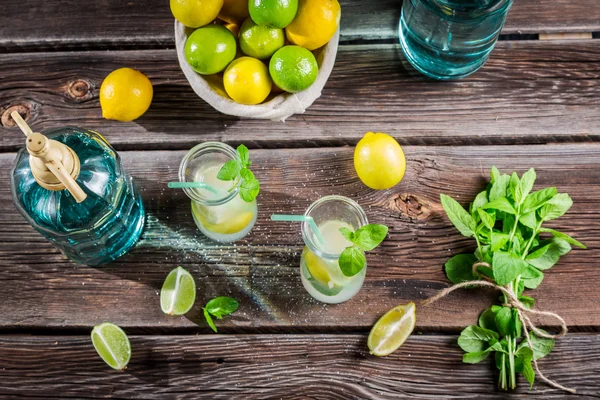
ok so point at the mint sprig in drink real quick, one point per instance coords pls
(228, 212)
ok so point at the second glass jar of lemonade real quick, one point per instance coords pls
(222, 216)
(319, 268)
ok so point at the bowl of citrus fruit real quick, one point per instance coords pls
(266, 59)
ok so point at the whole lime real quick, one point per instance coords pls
(260, 41)
(273, 13)
(210, 49)
(293, 68)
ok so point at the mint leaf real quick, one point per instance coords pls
(370, 236)
(475, 356)
(537, 199)
(500, 204)
(487, 320)
(504, 321)
(541, 346)
(494, 174)
(229, 171)
(514, 186)
(460, 268)
(209, 320)
(532, 277)
(527, 181)
(499, 240)
(480, 200)
(564, 237)
(458, 216)
(546, 256)
(221, 306)
(474, 338)
(486, 218)
(529, 220)
(525, 355)
(250, 187)
(527, 301)
(244, 156)
(507, 266)
(352, 261)
(499, 187)
(347, 233)
(555, 207)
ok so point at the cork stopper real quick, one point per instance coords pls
(53, 165)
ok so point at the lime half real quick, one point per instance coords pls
(392, 330)
(112, 345)
(178, 293)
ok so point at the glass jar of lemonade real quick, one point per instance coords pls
(319, 269)
(222, 216)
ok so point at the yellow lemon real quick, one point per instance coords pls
(196, 13)
(392, 330)
(317, 267)
(125, 95)
(247, 81)
(315, 24)
(379, 161)
(234, 11)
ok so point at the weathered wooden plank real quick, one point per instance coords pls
(41, 289)
(278, 366)
(529, 92)
(144, 24)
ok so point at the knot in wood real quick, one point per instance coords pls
(410, 206)
(23, 109)
(79, 90)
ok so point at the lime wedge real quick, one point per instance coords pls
(392, 330)
(178, 293)
(112, 345)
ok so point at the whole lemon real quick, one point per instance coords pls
(379, 161)
(196, 13)
(234, 11)
(125, 95)
(247, 81)
(315, 24)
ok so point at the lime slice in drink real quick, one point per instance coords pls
(112, 345)
(178, 293)
(392, 330)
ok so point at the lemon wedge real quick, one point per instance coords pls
(392, 330)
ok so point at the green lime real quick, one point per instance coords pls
(273, 13)
(260, 41)
(112, 345)
(293, 68)
(178, 293)
(210, 49)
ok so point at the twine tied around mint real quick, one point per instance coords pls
(522, 312)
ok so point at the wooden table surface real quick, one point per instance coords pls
(536, 103)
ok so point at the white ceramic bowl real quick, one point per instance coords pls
(276, 108)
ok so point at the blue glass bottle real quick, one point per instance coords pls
(450, 39)
(94, 226)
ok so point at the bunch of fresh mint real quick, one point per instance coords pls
(506, 222)
(238, 170)
(366, 238)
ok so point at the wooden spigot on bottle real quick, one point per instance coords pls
(53, 165)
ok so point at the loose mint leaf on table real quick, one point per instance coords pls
(507, 266)
(352, 261)
(219, 307)
(250, 187)
(366, 238)
(564, 237)
(460, 268)
(458, 216)
(229, 171)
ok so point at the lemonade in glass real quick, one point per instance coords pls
(222, 216)
(319, 268)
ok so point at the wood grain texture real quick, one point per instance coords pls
(528, 92)
(278, 366)
(143, 24)
(42, 290)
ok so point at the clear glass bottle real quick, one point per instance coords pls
(319, 269)
(223, 216)
(70, 186)
(450, 39)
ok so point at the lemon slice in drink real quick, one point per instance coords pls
(324, 280)
(226, 227)
(112, 345)
(392, 330)
(178, 293)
